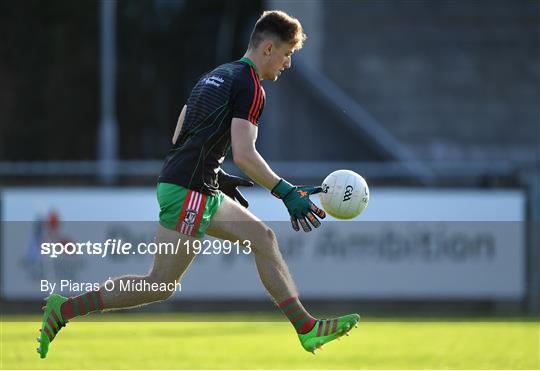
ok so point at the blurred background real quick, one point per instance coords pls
(435, 103)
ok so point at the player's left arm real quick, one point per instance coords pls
(248, 159)
(179, 124)
(247, 106)
(246, 156)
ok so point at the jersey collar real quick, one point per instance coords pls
(250, 62)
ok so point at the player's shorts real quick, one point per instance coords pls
(185, 210)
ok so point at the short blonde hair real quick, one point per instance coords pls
(280, 25)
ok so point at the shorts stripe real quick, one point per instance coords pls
(183, 213)
(194, 199)
(187, 206)
(198, 212)
(200, 208)
(194, 202)
(196, 205)
(192, 206)
(184, 210)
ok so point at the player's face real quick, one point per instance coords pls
(279, 59)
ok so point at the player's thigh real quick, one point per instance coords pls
(234, 222)
(173, 257)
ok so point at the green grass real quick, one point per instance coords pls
(271, 345)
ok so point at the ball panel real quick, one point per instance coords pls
(327, 197)
(343, 206)
(346, 196)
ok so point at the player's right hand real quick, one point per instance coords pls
(300, 207)
(229, 184)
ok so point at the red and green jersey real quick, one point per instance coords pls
(232, 90)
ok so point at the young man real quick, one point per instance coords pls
(222, 112)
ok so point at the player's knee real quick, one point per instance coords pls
(268, 240)
(163, 295)
(271, 237)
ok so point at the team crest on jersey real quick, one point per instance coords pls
(189, 219)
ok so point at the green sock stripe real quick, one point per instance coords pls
(75, 306)
(298, 325)
(86, 303)
(290, 306)
(296, 314)
(95, 300)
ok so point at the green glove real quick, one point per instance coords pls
(300, 207)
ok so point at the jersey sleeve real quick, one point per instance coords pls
(248, 98)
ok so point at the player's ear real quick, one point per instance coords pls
(268, 48)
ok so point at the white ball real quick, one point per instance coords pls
(345, 194)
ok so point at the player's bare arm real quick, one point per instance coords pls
(248, 159)
(246, 156)
(179, 124)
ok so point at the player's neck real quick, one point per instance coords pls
(255, 61)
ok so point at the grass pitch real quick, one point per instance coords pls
(180, 344)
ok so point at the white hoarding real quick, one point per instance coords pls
(410, 243)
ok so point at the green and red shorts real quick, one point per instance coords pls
(185, 210)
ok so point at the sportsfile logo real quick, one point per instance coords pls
(348, 193)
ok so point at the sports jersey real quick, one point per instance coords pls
(232, 90)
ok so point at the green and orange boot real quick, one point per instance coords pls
(326, 330)
(51, 323)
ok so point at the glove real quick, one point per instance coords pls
(300, 207)
(228, 183)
